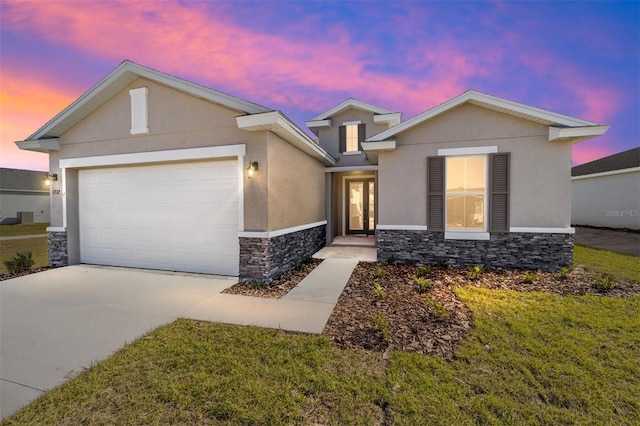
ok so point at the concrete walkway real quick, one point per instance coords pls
(56, 323)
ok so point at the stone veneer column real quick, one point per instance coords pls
(265, 259)
(58, 248)
(508, 250)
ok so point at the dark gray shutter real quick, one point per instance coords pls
(342, 138)
(499, 192)
(435, 193)
(361, 135)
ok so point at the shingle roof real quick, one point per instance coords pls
(26, 180)
(622, 160)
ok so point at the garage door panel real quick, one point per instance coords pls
(174, 216)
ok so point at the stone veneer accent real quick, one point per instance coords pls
(58, 251)
(265, 259)
(509, 250)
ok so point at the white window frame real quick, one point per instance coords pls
(139, 110)
(468, 234)
(347, 124)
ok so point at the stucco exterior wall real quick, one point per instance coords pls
(611, 201)
(540, 170)
(176, 121)
(329, 137)
(296, 186)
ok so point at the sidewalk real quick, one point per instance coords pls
(21, 237)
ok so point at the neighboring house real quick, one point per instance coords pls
(26, 192)
(155, 174)
(606, 192)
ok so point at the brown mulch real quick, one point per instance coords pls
(277, 288)
(413, 324)
(9, 275)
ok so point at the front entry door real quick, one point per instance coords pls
(360, 206)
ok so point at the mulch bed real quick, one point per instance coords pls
(9, 275)
(277, 288)
(414, 325)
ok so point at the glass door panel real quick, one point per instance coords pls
(356, 206)
(372, 206)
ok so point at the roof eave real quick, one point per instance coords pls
(41, 145)
(575, 134)
(279, 124)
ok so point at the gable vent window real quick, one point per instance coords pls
(139, 110)
(351, 135)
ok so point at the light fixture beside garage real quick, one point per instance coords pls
(253, 167)
(50, 178)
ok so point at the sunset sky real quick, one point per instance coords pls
(577, 58)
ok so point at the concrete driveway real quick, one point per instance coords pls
(55, 323)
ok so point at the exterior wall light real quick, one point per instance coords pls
(253, 167)
(50, 178)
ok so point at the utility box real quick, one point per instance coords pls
(25, 218)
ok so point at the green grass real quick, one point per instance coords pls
(37, 246)
(532, 358)
(202, 373)
(608, 262)
(11, 230)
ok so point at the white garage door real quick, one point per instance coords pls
(179, 217)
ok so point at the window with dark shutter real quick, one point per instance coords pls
(361, 135)
(342, 138)
(435, 193)
(499, 192)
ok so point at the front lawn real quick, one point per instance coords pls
(608, 262)
(37, 246)
(531, 358)
(11, 230)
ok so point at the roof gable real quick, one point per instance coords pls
(493, 103)
(352, 103)
(117, 80)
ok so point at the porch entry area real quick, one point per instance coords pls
(353, 208)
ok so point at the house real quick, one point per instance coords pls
(606, 192)
(157, 172)
(24, 196)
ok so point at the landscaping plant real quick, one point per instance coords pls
(21, 261)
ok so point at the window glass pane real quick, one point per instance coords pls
(465, 212)
(372, 205)
(356, 201)
(352, 137)
(466, 176)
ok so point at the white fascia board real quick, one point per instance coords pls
(531, 230)
(479, 98)
(126, 73)
(402, 227)
(379, 146)
(271, 234)
(277, 123)
(581, 133)
(238, 150)
(389, 119)
(472, 235)
(41, 145)
(351, 103)
(609, 173)
(318, 123)
(473, 150)
(351, 169)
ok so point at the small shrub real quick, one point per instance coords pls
(21, 261)
(424, 270)
(378, 272)
(391, 260)
(379, 321)
(437, 309)
(257, 285)
(604, 283)
(564, 273)
(443, 264)
(379, 291)
(473, 272)
(423, 283)
(530, 277)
